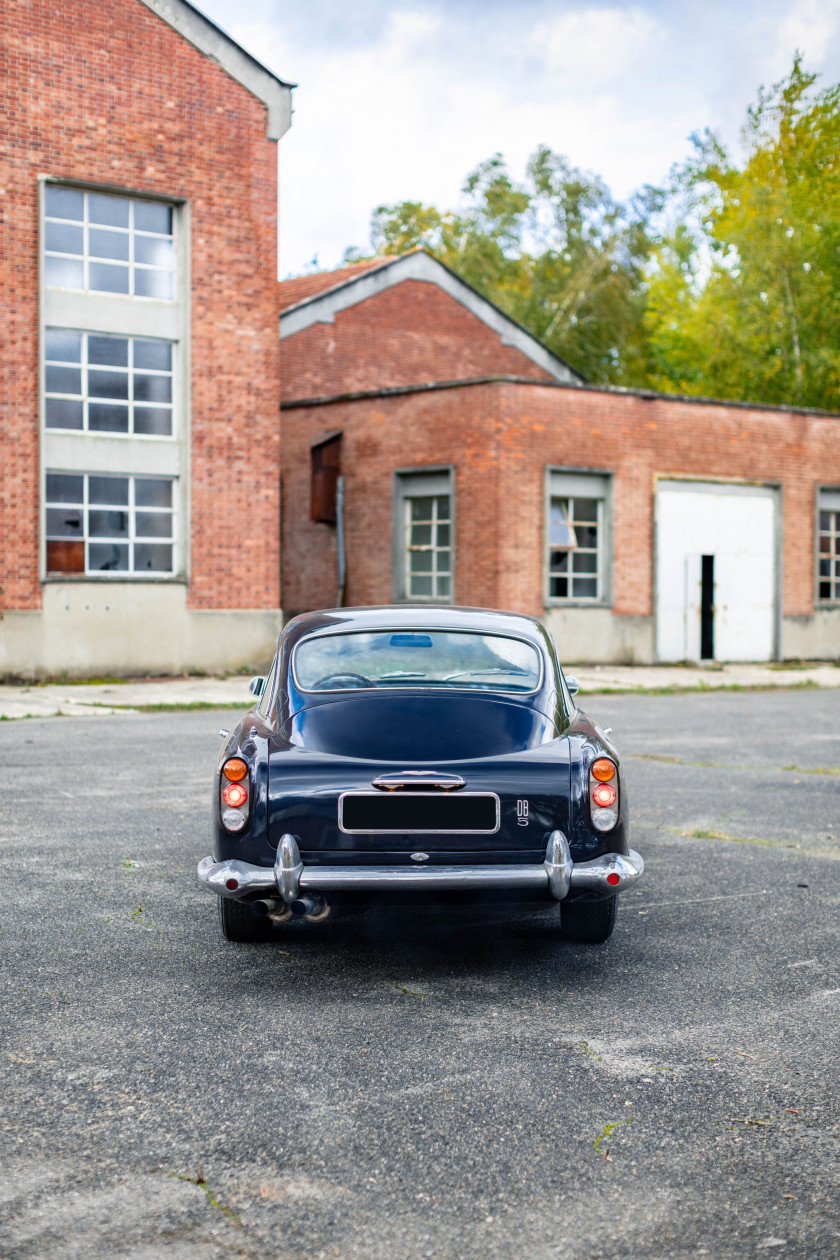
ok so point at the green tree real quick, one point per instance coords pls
(745, 303)
(557, 253)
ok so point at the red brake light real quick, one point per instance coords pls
(613, 878)
(604, 795)
(602, 769)
(235, 794)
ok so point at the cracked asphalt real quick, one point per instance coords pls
(411, 1086)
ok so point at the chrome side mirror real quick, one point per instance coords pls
(256, 686)
(573, 685)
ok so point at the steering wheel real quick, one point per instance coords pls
(353, 680)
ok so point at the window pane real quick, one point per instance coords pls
(153, 421)
(103, 556)
(64, 203)
(420, 586)
(64, 414)
(151, 216)
(825, 520)
(443, 507)
(64, 346)
(103, 384)
(64, 273)
(421, 562)
(584, 588)
(443, 536)
(421, 508)
(444, 589)
(421, 536)
(63, 380)
(559, 588)
(153, 354)
(560, 532)
(66, 238)
(107, 418)
(153, 492)
(111, 351)
(105, 244)
(825, 542)
(825, 568)
(112, 490)
(584, 509)
(154, 284)
(584, 562)
(64, 522)
(153, 557)
(107, 524)
(108, 278)
(587, 535)
(153, 525)
(559, 561)
(66, 555)
(825, 590)
(112, 211)
(153, 388)
(153, 250)
(65, 488)
(443, 561)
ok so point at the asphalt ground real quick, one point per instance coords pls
(406, 1086)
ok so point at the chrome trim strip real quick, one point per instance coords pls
(556, 874)
(417, 831)
(421, 778)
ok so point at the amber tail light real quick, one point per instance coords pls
(603, 794)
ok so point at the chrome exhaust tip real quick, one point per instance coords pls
(310, 907)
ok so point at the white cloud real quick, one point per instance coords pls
(811, 26)
(597, 45)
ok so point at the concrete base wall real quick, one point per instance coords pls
(597, 634)
(86, 629)
(812, 638)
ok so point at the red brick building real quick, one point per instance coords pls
(140, 356)
(463, 463)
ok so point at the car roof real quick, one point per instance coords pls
(417, 617)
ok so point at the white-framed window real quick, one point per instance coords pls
(424, 537)
(577, 542)
(100, 243)
(101, 524)
(828, 546)
(102, 383)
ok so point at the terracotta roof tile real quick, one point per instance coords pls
(299, 288)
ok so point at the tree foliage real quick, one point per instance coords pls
(739, 297)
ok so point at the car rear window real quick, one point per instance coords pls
(416, 658)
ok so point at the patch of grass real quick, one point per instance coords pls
(705, 833)
(831, 770)
(200, 1181)
(162, 708)
(607, 1132)
(702, 687)
(410, 992)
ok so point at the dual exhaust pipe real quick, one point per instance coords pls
(309, 906)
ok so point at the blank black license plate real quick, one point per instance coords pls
(419, 811)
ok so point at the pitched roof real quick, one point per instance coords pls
(301, 288)
(318, 298)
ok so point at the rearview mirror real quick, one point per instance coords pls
(256, 686)
(573, 685)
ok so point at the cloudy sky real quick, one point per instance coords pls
(400, 99)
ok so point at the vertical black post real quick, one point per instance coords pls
(707, 608)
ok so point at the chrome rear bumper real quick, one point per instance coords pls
(610, 873)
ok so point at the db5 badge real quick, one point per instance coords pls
(522, 813)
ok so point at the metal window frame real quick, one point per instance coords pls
(402, 477)
(131, 539)
(140, 314)
(819, 491)
(606, 546)
(130, 401)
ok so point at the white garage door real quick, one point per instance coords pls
(715, 571)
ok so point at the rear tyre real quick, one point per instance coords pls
(239, 923)
(589, 922)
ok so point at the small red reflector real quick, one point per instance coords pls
(232, 884)
(604, 795)
(235, 794)
(235, 769)
(613, 878)
(602, 769)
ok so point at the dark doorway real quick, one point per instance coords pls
(707, 608)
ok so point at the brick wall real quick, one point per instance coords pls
(410, 333)
(110, 93)
(499, 438)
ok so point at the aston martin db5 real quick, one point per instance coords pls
(419, 755)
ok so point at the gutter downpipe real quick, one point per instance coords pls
(339, 541)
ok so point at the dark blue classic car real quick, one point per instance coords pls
(423, 755)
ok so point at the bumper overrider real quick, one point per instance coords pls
(289, 878)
